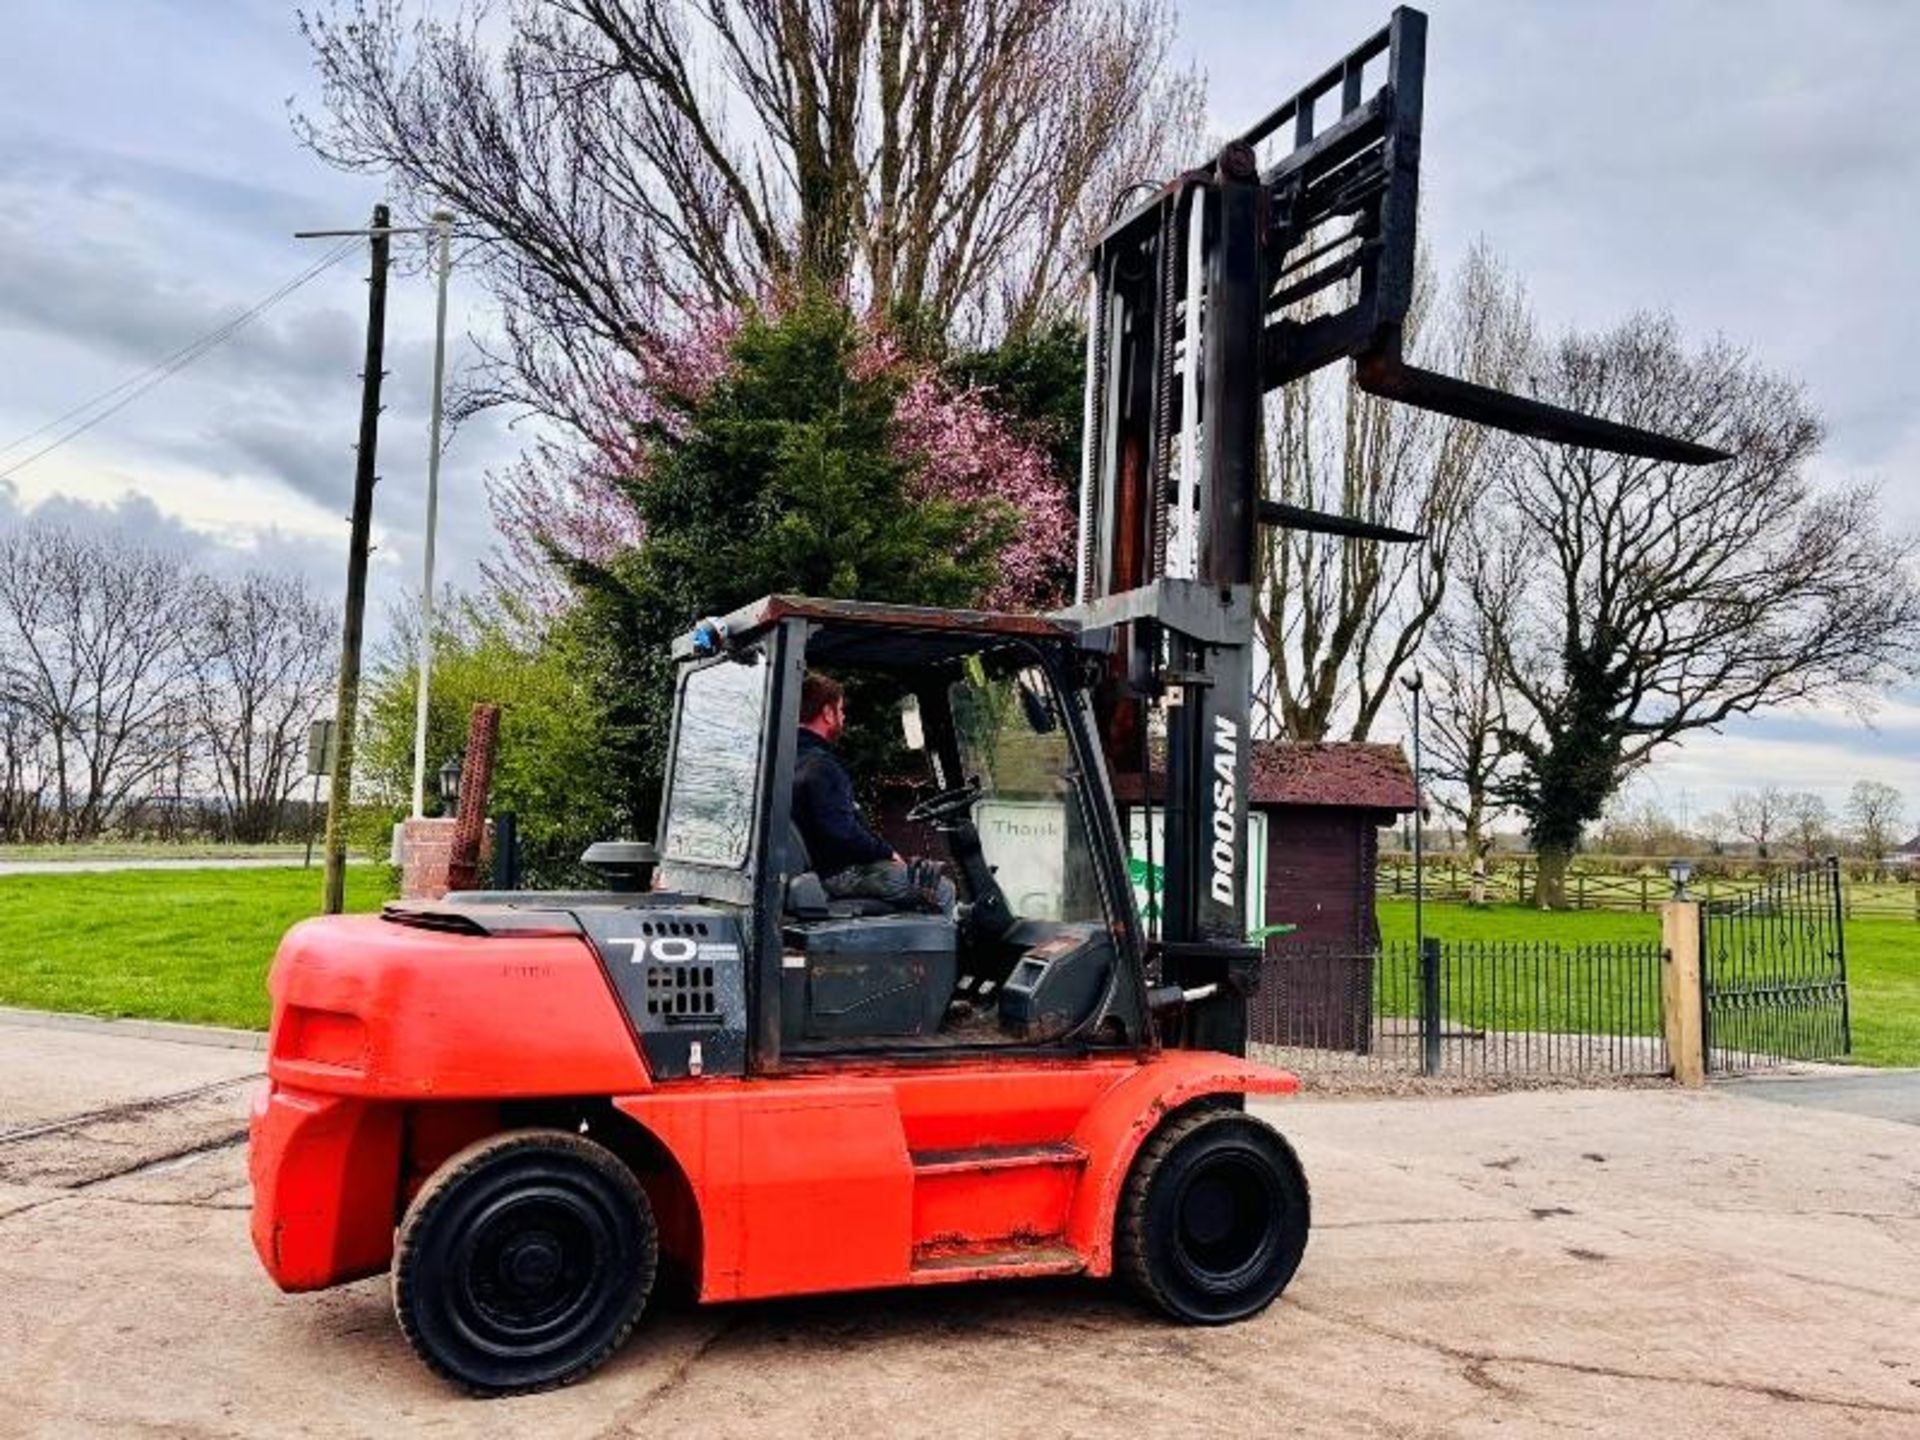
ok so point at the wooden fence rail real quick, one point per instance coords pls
(1513, 880)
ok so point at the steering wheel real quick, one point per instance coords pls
(948, 804)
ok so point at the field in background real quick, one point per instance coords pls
(155, 850)
(189, 945)
(1606, 882)
(1883, 959)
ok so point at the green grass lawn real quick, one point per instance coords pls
(1883, 961)
(1508, 975)
(158, 944)
(195, 945)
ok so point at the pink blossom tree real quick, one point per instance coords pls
(963, 449)
(561, 504)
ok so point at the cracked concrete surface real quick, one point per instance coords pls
(1613, 1262)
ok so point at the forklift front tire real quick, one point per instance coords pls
(1214, 1217)
(524, 1262)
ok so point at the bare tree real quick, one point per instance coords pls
(1468, 716)
(1873, 811)
(23, 775)
(1809, 824)
(1664, 599)
(93, 662)
(1339, 619)
(262, 652)
(1637, 824)
(632, 161)
(1758, 816)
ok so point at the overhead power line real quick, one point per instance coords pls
(110, 402)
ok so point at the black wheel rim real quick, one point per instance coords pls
(533, 1269)
(1227, 1222)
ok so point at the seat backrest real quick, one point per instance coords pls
(806, 898)
(799, 862)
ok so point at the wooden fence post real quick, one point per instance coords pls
(1680, 990)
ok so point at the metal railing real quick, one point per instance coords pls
(1463, 1008)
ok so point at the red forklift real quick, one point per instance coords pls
(527, 1106)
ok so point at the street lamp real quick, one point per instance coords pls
(1679, 872)
(1415, 685)
(443, 231)
(450, 787)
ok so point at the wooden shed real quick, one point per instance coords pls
(1325, 805)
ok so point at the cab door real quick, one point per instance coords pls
(723, 811)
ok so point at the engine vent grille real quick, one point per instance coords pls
(682, 993)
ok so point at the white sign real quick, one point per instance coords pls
(1025, 842)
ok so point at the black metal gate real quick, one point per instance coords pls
(1773, 972)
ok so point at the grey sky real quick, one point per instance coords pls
(1745, 165)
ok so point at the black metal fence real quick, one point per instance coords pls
(1773, 972)
(1463, 1008)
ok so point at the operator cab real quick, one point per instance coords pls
(976, 727)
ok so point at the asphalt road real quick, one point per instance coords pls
(1613, 1262)
(1883, 1094)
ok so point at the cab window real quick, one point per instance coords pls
(716, 764)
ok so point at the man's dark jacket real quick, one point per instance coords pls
(823, 808)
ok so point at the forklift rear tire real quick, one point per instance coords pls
(1214, 1217)
(524, 1262)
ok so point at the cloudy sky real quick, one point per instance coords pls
(1745, 164)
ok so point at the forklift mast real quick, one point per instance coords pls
(1291, 248)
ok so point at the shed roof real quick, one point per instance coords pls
(1348, 775)
(1355, 775)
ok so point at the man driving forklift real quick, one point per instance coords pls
(851, 861)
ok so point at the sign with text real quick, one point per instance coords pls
(322, 747)
(1024, 842)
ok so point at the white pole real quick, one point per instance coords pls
(443, 222)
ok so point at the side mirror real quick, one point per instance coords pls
(1039, 713)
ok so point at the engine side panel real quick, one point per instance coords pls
(803, 1186)
(680, 972)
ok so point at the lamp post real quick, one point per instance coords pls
(443, 226)
(1415, 686)
(450, 786)
(1680, 872)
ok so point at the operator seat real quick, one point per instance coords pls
(807, 898)
(859, 970)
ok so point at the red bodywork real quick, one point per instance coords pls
(393, 1047)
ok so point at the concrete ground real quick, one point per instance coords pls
(1616, 1262)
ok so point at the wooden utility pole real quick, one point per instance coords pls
(359, 536)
